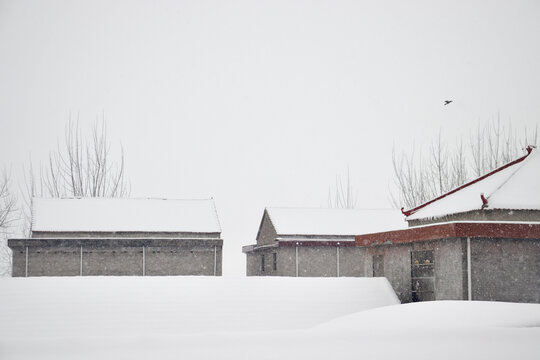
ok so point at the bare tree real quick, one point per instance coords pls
(494, 145)
(419, 179)
(344, 195)
(81, 166)
(7, 218)
(458, 166)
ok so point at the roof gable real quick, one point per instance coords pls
(340, 222)
(124, 215)
(513, 186)
(266, 233)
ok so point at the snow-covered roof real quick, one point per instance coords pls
(514, 186)
(341, 222)
(124, 215)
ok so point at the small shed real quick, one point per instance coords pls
(120, 236)
(315, 241)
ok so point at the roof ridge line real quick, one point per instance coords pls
(504, 182)
(413, 210)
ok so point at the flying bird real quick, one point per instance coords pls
(446, 102)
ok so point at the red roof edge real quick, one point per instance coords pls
(475, 230)
(412, 211)
(342, 243)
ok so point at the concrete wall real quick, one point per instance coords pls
(252, 263)
(170, 261)
(501, 269)
(54, 257)
(118, 262)
(484, 215)
(397, 267)
(19, 262)
(352, 261)
(267, 233)
(313, 261)
(45, 262)
(505, 270)
(448, 257)
(450, 262)
(286, 261)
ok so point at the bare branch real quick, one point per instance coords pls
(490, 147)
(8, 208)
(79, 167)
(344, 196)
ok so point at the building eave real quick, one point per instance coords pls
(504, 230)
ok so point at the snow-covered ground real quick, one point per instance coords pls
(251, 318)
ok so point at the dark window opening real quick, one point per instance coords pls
(262, 262)
(378, 265)
(275, 261)
(422, 275)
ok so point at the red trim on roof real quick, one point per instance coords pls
(452, 230)
(412, 211)
(317, 243)
(484, 201)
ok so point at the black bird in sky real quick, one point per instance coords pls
(446, 102)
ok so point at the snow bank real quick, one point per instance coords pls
(177, 318)
(440, 314)
(112, 306)
(445, 330)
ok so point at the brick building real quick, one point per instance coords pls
(315, 242)
(103, 236)
(480, 241)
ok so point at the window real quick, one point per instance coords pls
(262, 262)
(378, 265)
(422, 275)
(275, 261)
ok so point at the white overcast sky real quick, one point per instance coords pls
(262, 103)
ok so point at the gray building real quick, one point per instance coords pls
(315, 242)
(480, 241)
(104, 236)
(489, 261)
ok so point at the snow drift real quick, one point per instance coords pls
(112, 306)
(223, 318)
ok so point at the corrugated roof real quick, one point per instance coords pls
(341, 222)
(124, 215)
(515, 186)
